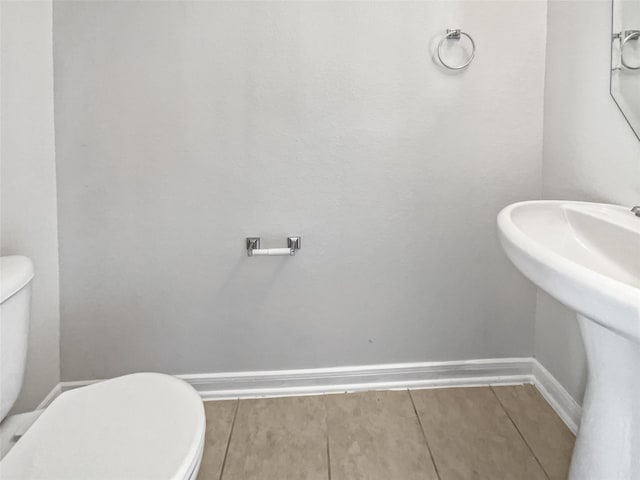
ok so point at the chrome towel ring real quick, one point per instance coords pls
(630, 35)
(455, 34)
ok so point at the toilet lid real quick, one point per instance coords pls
(140, 426)
(15, 271)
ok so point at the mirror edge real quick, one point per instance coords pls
(637, 134)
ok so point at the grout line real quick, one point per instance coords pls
(424, 435)
(328, 460)
(519, 432)
(326, 423)
(226, 451)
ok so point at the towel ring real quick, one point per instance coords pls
(455, 34)
(634, 35)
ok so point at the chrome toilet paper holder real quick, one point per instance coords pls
(253, 247)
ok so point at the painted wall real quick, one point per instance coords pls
(28, 223)
(184, 127)
(590, 153)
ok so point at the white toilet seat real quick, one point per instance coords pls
(139, 426)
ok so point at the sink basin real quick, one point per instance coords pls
(587, 256)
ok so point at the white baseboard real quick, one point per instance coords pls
(556, 395)
(465, 373)
(370, 377)
(51, 396)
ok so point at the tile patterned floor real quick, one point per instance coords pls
(441, 434)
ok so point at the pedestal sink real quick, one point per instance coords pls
(587, 256)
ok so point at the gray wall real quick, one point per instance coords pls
(28, 223)
(590, 153)
(183, 127)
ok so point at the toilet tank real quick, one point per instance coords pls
(16, 273)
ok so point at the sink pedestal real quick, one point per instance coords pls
(608, 443)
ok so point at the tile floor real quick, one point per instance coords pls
(456, 433)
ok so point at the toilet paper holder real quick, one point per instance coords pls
(253, 247)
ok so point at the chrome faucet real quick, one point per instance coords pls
(636, 210)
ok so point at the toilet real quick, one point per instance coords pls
(138, 426)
